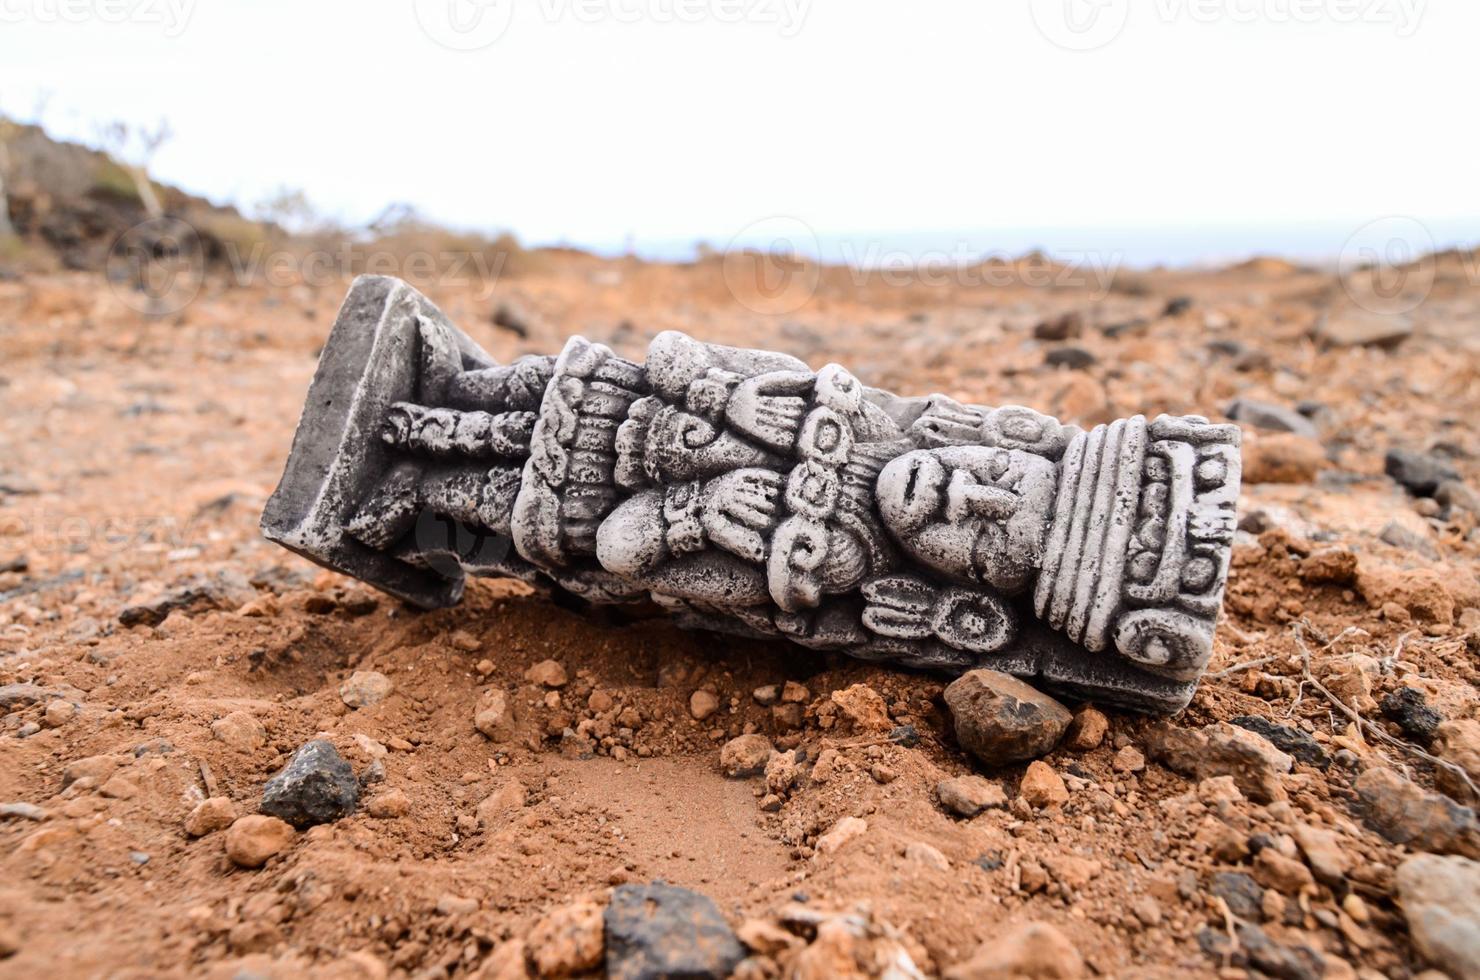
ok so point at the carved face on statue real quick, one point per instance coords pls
(974, 513)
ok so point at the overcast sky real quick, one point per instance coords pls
(671, 121)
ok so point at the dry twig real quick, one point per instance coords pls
(1363, 725)
(1246, 665)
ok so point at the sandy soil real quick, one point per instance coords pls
(136, 455)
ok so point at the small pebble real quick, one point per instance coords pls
(365, 688)
(1043, 787)
(252, 840)
(209, 816)
(548, 673)
(702, 704)
(58, 713)
(21, 811)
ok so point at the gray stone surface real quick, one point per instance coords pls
(1288, 740)
(657, 931)
(1241, 893)
(316, 786)
(1406, 813)
(1419, 473)
(749, 494)
(1274, 418)
(1440, 897)
(1000, 719)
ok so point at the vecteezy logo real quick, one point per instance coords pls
(1080, 25)
(1387, 265)
(771, 266)
(446, 545)
(464, 25)
(156, 267)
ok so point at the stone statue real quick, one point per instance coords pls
(746, 493)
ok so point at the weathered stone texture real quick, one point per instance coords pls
(750, 494)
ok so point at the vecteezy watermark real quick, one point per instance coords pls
(771, 266)
(1387, 266)
(422, 267)
(464, 25)
(774, 267)
(967, 266)
(172, 15)
(158, 266)
(446, 545)
(1084, 25)
(1080, 25)
(467, 25)
(47, 532)
(1402, 16)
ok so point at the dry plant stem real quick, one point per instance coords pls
(1297, 629)
(1228, 926)
(208, 778)
(1246, 665)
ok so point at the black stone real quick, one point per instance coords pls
(1274, 418)
(316, 786)
(1121, 329)
(1177, 305)
(990, 861)
(511, 320)
(1064, 327)
(24, 693)
(1400, 536)
(1286, 739)
(1069, 356)
(658, 931)
(1261, 954)
(904, 735)
(1296, 962)
(1406, 706)
(1243, 895)
(1420, 473)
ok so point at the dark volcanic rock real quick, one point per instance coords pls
(1065, 327)
(1262, 955)
(1069, 356)
(1421, 473)
(316, 786)
(227, 590)
(1127, 327)
(1407, 707)
(512, 319)
(1399, 536)
(1000, 719)
(1242, 893)
(19, 695)
(905, 735)
(1274, 418)
(658, 931)
(1456, 495)
(1406, 813)
(1293, 741)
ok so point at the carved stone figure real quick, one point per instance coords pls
(749, 494)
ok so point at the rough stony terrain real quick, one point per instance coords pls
(514, 771)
